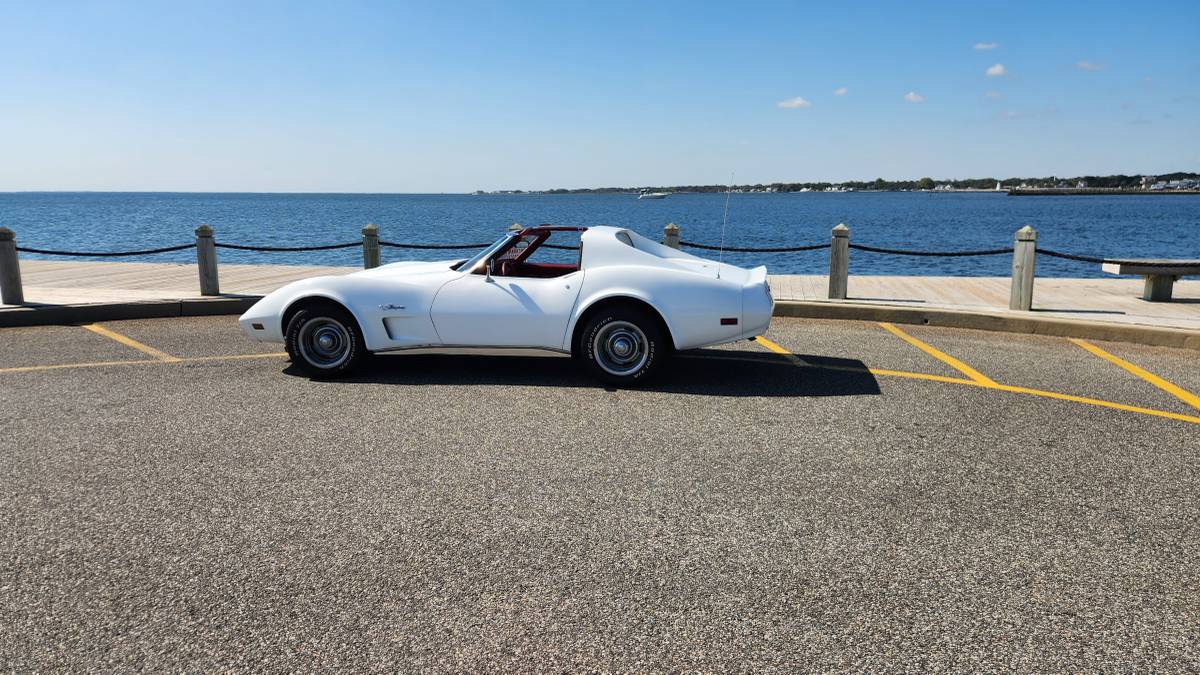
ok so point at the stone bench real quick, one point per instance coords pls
(1160, 274)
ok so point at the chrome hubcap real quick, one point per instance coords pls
(621, 348)
(324, 342)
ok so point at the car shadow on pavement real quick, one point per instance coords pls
(705, 372)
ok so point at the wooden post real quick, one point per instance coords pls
(370, 246)
(671, 235)
(1024, 258)
(206, 260)
(10, 269)
(839, 263)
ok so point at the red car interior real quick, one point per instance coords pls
(511, 263)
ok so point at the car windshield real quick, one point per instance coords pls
(470, 264)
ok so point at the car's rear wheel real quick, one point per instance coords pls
(621, 345)
(324, 341)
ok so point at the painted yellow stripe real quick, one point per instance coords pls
(772, 346)
(141, 362)
(780, 350)
(66, 366)
(1018, 390)
(237, 357)
(829, 366)
(1178, 392)
(921, 376)
(1095, 401)
(954, 363)
(130, 342)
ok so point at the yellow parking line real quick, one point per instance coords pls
(988, 384)
(954, 363)
(142, 362)
(1095, 401)
(237, 357)
(1178, 392)
(921, 376)
(780, 350)
(130, 342)
(65, 366)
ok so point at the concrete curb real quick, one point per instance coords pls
(48, 315)
(992, 321)
(43, 315)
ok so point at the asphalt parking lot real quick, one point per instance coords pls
(840, 495)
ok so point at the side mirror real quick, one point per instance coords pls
(490, 268)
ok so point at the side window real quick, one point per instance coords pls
(624, 238)
(559, 248)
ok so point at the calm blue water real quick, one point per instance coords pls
(1134, 226)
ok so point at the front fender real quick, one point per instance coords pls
(268, 312)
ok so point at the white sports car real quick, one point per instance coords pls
(620, 308)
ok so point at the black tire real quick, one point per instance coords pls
(621, 345)
(324, 341)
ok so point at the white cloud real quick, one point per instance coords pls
(994, 95)
(913, 97)
(985, 46)
(797, 102)
(840, 91)
(1088, 65)
(997, 70)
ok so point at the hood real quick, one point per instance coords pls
(408, 268)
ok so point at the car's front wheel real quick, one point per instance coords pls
(324, 341)
(621, 345)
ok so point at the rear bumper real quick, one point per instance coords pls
(757, 305)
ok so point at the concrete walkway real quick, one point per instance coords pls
(1116, 300)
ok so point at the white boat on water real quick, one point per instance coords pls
(653, 195)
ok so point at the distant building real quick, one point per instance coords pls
(1081, 184)
(1147, 181)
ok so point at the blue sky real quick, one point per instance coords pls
(451, 97)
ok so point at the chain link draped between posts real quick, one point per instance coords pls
(746, 249)
(933, 254)
(1101, 261)
(287, 249)
(105, 254)
(1069, 256)
(447, 247)
(687, 244)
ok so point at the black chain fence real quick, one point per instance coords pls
(935, 254)
(737, 249)
(1069, 256)
(106, 254)
(287, 249)
(448, 247)
(686, 244)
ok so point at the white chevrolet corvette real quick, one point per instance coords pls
(620, 308)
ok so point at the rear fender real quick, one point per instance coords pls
(591, 300)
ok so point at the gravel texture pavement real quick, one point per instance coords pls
(449, 512)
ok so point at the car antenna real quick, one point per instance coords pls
(724, 220)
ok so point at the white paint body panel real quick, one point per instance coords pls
(412, 304)
(505, 311)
